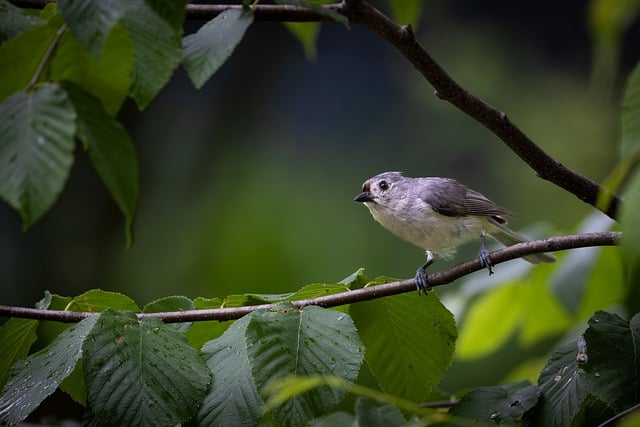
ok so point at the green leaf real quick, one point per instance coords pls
(233, 398)
(157, 51)
(172, 303)
(563, 389)
(38, 376)
(201, 332)
(74, 386)
(497, 404)
(97, 300)
(410, 342)
(36, 149)
(14, 20)
(140, 372)
(16, 338)
(314, 341)
(371, 415)
(317, 7)
(631, 231)
(406, 11)
(110, 150)
(92, 21)
(307, 34)
(209, 48)
(108, 77)
(630, 133)
(171, 11)
(613, 366)
(21, 56)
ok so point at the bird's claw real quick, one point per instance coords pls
(421, 281)
(485, 260)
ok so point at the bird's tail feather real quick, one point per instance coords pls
(508, 237)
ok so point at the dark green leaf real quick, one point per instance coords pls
(337, 419)
(157, 52)
(498, 404)
(16, 338)
(171, 11)
(315, 341)
(563, 388)
(630, 134)
(209, 48)
(631, 231)
(108, 77)
(233, 398)
(423, 333)
(110, 150)
(92, 21)
(371, 415)
(74, 386)
(36, 149)
(406, 11)
(14, 20)
(21, 56)
(173, 303)
(38, 376)
(140, 372)
(613, 365)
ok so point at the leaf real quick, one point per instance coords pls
(307, 34)
(314, 341)
(36, 149)
(630, 231)
(233, 398)
(317, 8)
(173, 303)
(209, 48)
(157, 51)
(563, 388)
(97, 300)
(110, 150)
(406, 11)
(107, 77)
(140, 372)
(16, 338)
(613, 366)
(92, 21)
(201, 332)
(38, 376)
(371, 415)
(497, 404)
(171, 11)
(630, 132)
(14, 20)
(21, 56)
(410, 342)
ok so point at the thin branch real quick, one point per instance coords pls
(47, 56)
(553, 244)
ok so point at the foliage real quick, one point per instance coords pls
(70, 67)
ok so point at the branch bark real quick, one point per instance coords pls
(404, 40)
(553, 244)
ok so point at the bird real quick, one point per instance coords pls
(438, 215)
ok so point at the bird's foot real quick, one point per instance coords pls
(485, 259)
(421, 281)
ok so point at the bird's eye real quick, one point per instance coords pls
(384, 185)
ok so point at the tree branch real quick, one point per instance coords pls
(553, 244)
(404, 40)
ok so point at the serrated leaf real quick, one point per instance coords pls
(172, 303)
(97, 300)
(209, 48)
(140, 372)
(613, 366)
(371, 415)
(630, 133)
(497, 404)
(314, 341)
(406, 11)
(36, 149)
(16, 338)
(21, 56)
(233, 398)
(107, 77)
(410, 342)
(92, 21)
(111, 152)
(38, 376)
(563, 388)
(14, 20)
(157, 52)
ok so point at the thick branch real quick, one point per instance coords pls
(444, 277)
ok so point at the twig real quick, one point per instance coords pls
(444, 277)
(47, 55)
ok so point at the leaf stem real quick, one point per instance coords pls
(47, 56)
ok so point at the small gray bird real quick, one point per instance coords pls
(438, 215)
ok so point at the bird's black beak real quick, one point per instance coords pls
(365, 196)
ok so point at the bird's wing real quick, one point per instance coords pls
(449, 197)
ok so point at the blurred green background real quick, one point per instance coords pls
(247, 184)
